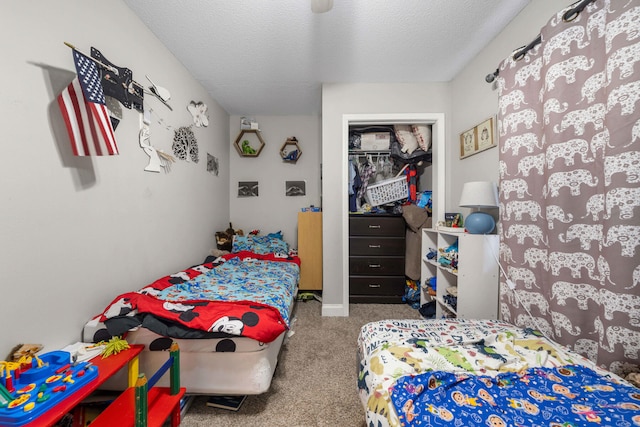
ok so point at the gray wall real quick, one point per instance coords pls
(75, 232)
(272, 210)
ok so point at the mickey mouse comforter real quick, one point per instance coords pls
(240, 294)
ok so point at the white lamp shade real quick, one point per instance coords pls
(479, 194)
(321, 6)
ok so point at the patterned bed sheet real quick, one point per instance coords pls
(393, 355)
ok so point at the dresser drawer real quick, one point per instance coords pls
(376, 266)
(372, 285)
(376, 226)
(391, 246)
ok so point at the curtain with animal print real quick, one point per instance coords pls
(569, 126)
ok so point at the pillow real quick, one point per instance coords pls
(276, 235)
(271, 243)
(423, 135)
(406, 138)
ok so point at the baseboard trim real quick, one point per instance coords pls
(335, 310)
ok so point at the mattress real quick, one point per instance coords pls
(455, 371)
(231, 365)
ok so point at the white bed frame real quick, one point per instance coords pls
(206, 372)
(202, 371)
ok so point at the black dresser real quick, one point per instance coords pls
(376, 258)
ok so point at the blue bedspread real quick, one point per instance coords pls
(260, 281)
(567, 396)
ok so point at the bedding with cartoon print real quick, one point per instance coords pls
(409, 371)
(241, 294)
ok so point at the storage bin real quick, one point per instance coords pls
(387, 191)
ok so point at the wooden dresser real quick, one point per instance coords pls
(376, 258)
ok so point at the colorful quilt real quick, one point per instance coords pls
(240, 294)
(424, 357)
(571, 395)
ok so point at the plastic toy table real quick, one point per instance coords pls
(106, 368)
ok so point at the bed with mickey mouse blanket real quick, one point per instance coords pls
(229, 316)
(473, 373)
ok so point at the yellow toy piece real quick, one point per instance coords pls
(19, 401)
(114, 346)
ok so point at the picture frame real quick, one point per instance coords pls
(480, 138)
(248, 189)
(295, 188)
(486, 135)
(468, 143)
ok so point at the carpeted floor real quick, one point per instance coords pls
(315, 383)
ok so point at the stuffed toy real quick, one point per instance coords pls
(247, 148)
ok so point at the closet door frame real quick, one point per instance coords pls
(438, 170)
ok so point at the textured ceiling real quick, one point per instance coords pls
(271, 57)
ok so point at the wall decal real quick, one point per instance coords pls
(185, 144)
(199, 112)
(157, 159)
(118, 83)
(159, 92)
(213, 164)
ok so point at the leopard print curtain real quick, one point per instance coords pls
(569, 125)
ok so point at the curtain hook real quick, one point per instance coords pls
(523, 50)
(520, 53)
(573, 13)
(570, 15)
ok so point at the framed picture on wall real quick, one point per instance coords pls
(485, 134)
(468, 143)
(477, 139)
(295, 188)
(247, 188)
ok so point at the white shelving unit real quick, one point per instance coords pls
(475, 279)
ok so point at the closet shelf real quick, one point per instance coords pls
(379, 152)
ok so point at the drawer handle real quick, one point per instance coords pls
(374, 285)
(374, 265)
(374, 226)
(375, 246)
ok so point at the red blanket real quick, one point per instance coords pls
(254, 318)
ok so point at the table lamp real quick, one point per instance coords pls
(477, 195)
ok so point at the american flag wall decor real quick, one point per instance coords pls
(85, 113)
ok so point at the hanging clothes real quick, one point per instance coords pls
(380, 169)
(367, 170)
(354, 186)
(412, 180)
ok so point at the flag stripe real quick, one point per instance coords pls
(102, 116)
(80, 118)
(91, 128)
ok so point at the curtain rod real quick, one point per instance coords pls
(568, 16)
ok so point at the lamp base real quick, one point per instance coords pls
(479, 223)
